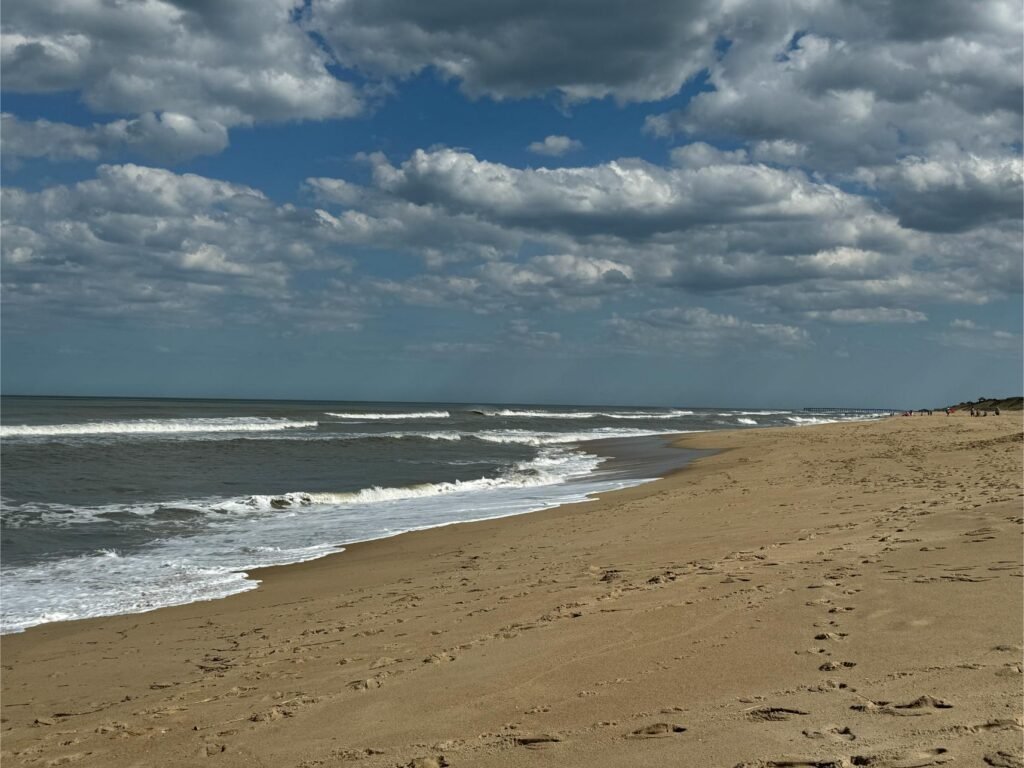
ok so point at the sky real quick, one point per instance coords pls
(683, 202)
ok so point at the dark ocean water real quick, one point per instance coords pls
(123, 505)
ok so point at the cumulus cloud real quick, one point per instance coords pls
(841, 163)
(700, 154)
(951, 191)
(718, 222)
(509, 49)
(869, 315)
(232, 62)
(170, 248)
(555, 282)
(841, 84)
(188, 70)
(166, 136)
(380, 221)
(631, 199)
(555, 146)
(697, 329)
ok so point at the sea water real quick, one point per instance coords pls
(114, 506)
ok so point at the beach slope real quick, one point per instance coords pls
(847, 594)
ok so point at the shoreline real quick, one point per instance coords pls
(550, 639)
(672, 441)
(629, 459)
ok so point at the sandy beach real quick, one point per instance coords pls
(839, 595)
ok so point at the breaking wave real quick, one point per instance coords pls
(155, 427)
(376, 416)
(509, 413)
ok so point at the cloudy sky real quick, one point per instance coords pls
(686, 202)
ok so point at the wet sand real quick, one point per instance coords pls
(840, 595)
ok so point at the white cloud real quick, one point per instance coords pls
(869, 315)
(189, 71)
(512, 49)
(718, 223)
(700, 330)
(555, 146)
(951, 191)
(166, 136)
(840, 84)
(165, 247)
(701, 155)
(233, 61)
(625, 198)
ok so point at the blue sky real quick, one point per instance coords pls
(705, 204)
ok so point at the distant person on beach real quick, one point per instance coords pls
(996, 411)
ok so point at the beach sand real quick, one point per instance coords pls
(847, 594)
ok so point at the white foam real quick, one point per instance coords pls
(185, 569)
(529, 437)
(806, 420)
(750, 422)
(443, 435)
(374, 416)
(509, 413)
(155, 427)
(644, 415)
(552, 466)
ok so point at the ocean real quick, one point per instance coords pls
(112, 506)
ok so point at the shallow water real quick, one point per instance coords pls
(123, 505)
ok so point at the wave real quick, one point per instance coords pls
(442, 435)
(508, 413)
(374, 416)
(753, 413)
(805, 420)
(554, 464)
(201, 548)
(528, 437)
(750, 422)
(155, 427)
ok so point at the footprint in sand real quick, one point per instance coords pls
(439, 658)
(428, 762)
(542, 741)
(919, 759)
(916, 759)
(998, 724)
(923, 705)
(831, 732)
(774, 713)
(796, 762)
(832, 666)
(656, 731)
(1003, 760)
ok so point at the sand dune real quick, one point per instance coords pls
(841, 595)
